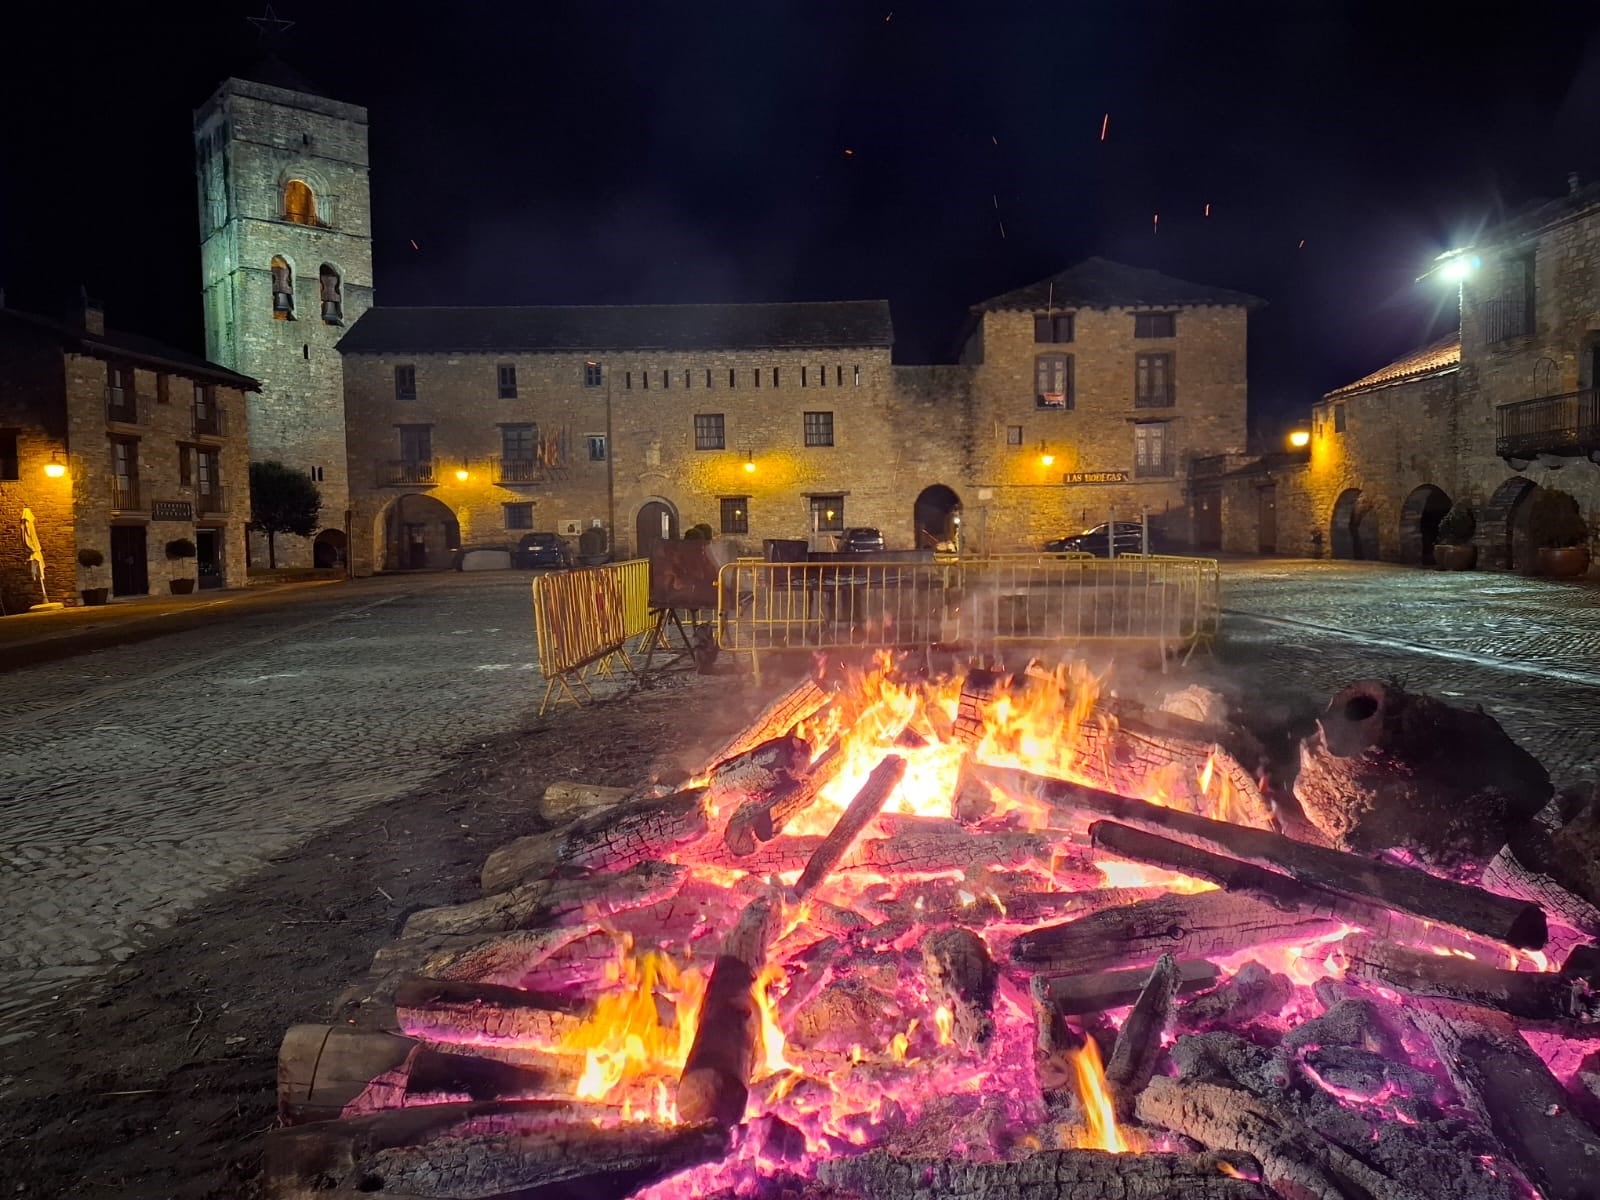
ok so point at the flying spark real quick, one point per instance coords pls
(1155, 223)
(994, 139)
(1302, 244)
(995, 198)
(414, 245)
(849, 153)
(1105, 123)
(1002, 225)
(890, 17)
(1208, 210)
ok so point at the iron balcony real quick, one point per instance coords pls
(1567, 425)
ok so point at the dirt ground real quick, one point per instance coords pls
(158, 1081)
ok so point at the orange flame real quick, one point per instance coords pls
(772, 1040)
(1100, 1118)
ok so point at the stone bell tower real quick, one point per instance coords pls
(286, 263)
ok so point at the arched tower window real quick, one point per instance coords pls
(332, 296)
(299, 202)
(282, 290)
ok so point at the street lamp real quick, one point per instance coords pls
(463, 474)
(1300, 438)
(55, 468)
(1453, 266)
(1046, 459)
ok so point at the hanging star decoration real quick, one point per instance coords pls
(270, 27)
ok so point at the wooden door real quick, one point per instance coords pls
(1267, 518)
(1208, 518)
(655, 523)
(130, 569)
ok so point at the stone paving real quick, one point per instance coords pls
(1526, 650)
(136, 781)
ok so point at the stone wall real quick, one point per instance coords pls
(250, 139)
(1021, 477)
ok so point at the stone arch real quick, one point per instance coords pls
(1342, 541)
(1424, 508)
(417, 532)
(1504, 541)
(654, 521)
(329, 549)
(291, 200)
(935, 517)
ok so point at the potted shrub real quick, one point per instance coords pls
(91, 561)
(1452, 548)
(1560, 533)
(592, 546)
(179, 549)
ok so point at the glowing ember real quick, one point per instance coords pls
(1101, 1131)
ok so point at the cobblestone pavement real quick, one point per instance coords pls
(1527, 650)
(137, 780)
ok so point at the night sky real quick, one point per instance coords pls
(562, 152)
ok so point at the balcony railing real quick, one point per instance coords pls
(1161, 468)
(405, 472)
(212, 500)
(209, 421)
(124, 494)
(1566, 425)
(1211, 464)
(126, 408)
(1506, 319)
(518, 470)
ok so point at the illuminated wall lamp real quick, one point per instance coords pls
(55, 468)
(463, 474)
(1046, 459)
(1300, 438)
(750, 461)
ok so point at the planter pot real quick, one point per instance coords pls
(94, 596)
(1566, 562)
(1455, 558)
(181, 587)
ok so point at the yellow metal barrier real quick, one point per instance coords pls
(1166, 603)
(583, 620)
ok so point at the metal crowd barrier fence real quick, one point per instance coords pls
(1169, 604)
(583, 621)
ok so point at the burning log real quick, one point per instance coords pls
(1074, 995)
(848, 1011)
(1514, 922)
(1252, 991)
(1206, 924)
(1391, 769)
(1515, 1094)
(453, 1010)
(716, 1075)
(1547, 862)
(1138, 1045)
(936, 845)
(762, 817)
(564, 800)
(1530, 995)
(1295, 1160)
(614, 840)
(801, 702)
(962, 977)
(757, 772)
(980, 688)
(484, 958)
(781, 854)
(866, 805)
(545, 901)
(1080, 1174)
(470, 1151)
(325, 1069)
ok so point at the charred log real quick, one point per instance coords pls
(1252, 991)
(963, 977)
(614, 840)
(1295, 1160)
(757, 772)
(761, 818)
(460, 1010)
(564, 800)
(1138, 1045)
(1050, 1175)
(1531, 995)
(1207, 924)
(866, 805)
(1388, 768)
(1515, 922)
(801, 702)
(1072, 995)
(484, 958)
(479, 1152)
(1522, 1103)
(546, 901)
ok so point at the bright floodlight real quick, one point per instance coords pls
(1457, 269)
(1299, 438)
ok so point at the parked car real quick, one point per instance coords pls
(543, 550)
(1129, 539)
(861, 540)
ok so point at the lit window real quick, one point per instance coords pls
(736, 514)
(299, 203)
(827, 513)
(282, 290)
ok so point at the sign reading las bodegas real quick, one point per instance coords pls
(1095, 477)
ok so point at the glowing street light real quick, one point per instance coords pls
(463, 474)
(55, 468)
(750, 461)
(1046, 459)
(1453, 266)
(1300, 438)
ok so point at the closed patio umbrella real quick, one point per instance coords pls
(30, 542)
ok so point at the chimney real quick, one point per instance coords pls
(91, 313)
(1572, 183)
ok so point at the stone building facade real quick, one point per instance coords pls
(286, 262)
(121, 445)
(1092, 393)
(1501, 409)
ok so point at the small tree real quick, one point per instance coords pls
(282, 500)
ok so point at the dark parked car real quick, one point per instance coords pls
(1129, 540)
(861, 540)
(543, 550)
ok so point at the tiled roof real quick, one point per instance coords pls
(1442, 355)
(1101, 283)
(834, 323)
(129, 347)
